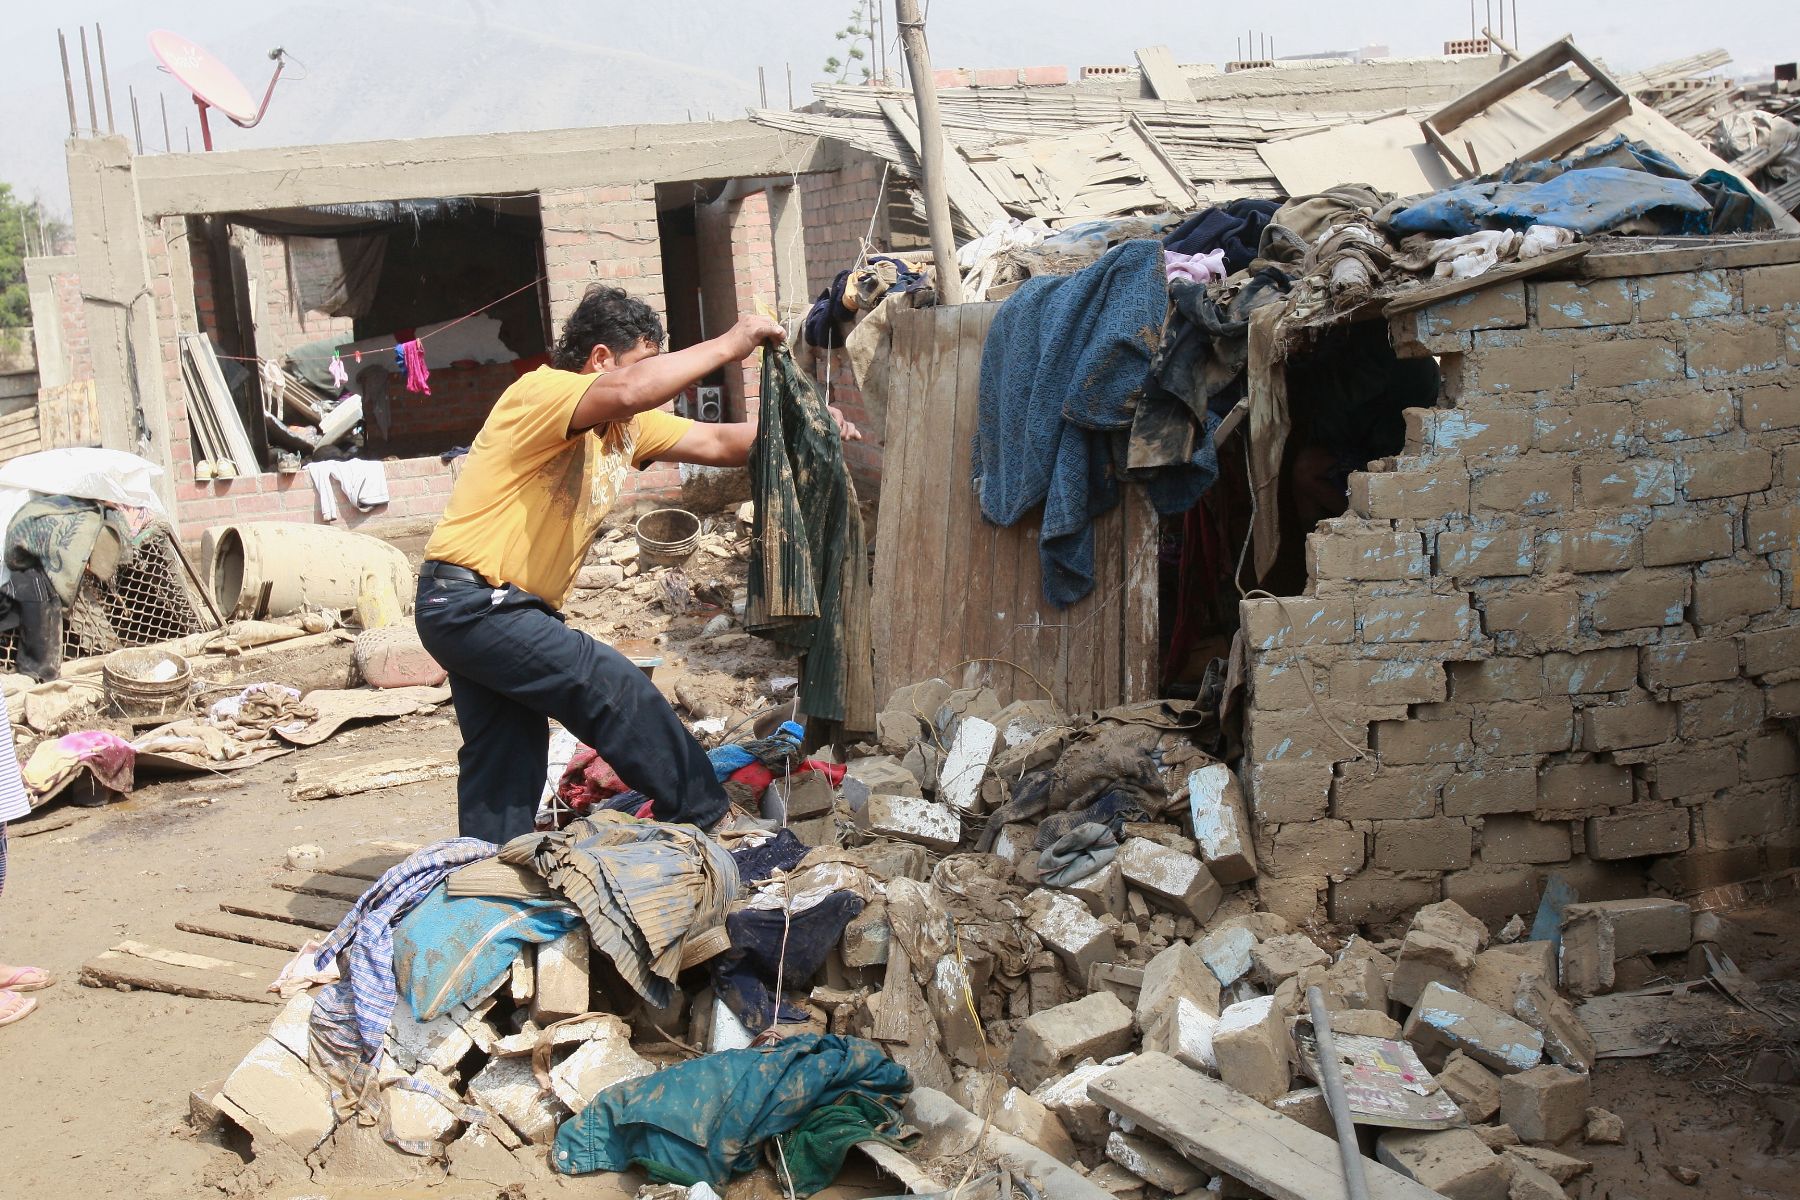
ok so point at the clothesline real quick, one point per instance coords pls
(440, 329)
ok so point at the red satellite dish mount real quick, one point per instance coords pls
(211, 81)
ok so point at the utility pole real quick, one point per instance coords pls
(931, 150)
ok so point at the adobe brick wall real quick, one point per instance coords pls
(836, 209)
(280, 324)
(1559, 633)
(67, 285)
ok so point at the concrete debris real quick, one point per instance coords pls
(604, 1059)
(1603, 1128)
(1050, 1043)
(275, 1089)
(1546, 1104)
(1559, 1166)
(1067, 927)
(1475, 1089)
(1308, 1107)
(1173, 881)
(1228, 953)
(1282, 957)
(1453, 1162)
(1252, 1049)
(1528, 1181)
(1027, 1118)
(1221, 824)
(1068, 1100)
(1155, 1164)
(1364, 1022)
(1447, 1020)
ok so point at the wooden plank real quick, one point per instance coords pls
(334, 887)
(895, 578)
(313, 912)
(367, 865)
(982, 634)
(251, 931)
(968, 193)
(113, 969)
(1160, 72)
(1141, 653)
(1437, 293)
(351, 773)
(1209, 1123)
(928, 500)
(1702, 254)
(263, 961)
(962, 528)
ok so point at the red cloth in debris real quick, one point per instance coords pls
(588, 781)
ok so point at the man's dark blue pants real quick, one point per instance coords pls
(514, 664)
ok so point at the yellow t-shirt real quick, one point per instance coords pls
(530, 497)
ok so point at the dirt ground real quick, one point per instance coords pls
(96, 1083)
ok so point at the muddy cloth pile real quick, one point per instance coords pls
(1235, 228)
(1064, 367)
(1617, 187)
(706, 1121)
(808, 574)
(646, 889)
(782, 934)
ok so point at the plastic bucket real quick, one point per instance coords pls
(667, 537)
(147, 682)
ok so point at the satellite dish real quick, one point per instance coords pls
(211, 81)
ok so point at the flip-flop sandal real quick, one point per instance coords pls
(26, 979)
(14, 1007)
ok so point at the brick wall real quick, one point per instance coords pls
(1558, 634)
(418, 487)
(280, 324)
(67, 286)
(600, 234)
(836, 208)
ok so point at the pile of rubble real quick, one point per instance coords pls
(1041, 903)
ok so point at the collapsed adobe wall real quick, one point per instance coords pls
(1558, 634)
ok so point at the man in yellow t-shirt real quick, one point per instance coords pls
(548, 464)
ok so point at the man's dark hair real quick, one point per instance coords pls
(606, 317)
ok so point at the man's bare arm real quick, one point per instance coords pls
(624, 392)
(728, 444)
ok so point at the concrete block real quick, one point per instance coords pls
(1626, 484)
(1103, 892)
(1186, 1031)
(1067, 928)
(1570, 789)
(1545, 1104)
(1452, 1162)
(868, 936)
(604, 1059)
(1495, 554)
(1475, 1089)
(1674, 540)
(1378, 554)
(562, 979)
(1515, 730)
(909, 819)
(1067, 1099)
(1423, 740)
(1280, 958)
(1359, 977)
(1525, 487)
(1519, 839)
(1427, 958)
(1727, 593)
(1375, 896)
(1567, 1041)
(1582, 428)
(1529, 619)
(1227, 953)
(1686, 416)
(1328, 848)
(1433, 844)
(1646, 926)
(1049, 1043)
(1590, 672)
(1638, 834)
(884, 776)
(1585, 955)
(1528, 1181)
(1364, 1022)
(1478, 791)
(1178, 972)
(1570, 305)
(959, 781)
(1154, 1163)
(281, 1094)
(1221, 824)
(1641, 599)
(1019, 1114)
(1495, 894)
(1252, 1049)
(1177, 882)
(1390, 681)
(1307, 1106)
(1296, 621)
(1446, 1020)
(1500, 971)
(1363, 792)
(507, 1088)
(1561, 1167)
(1603, 1128)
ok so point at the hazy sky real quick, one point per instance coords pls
(389, 68)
